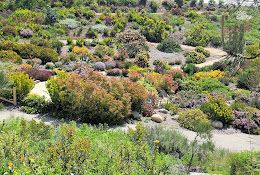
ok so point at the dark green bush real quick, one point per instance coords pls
(169, 46)
(190, 69)
(249, 78)
(154, 6)
(34, 104)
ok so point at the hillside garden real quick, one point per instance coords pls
(107, 63)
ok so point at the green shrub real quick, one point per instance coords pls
(69, 41)
(195, 57)
(148, 87)
(34, 104)
(8, 55)
(154, 30)
(23, 84)
(169, 46)
(154, 6)
(29, 50)
(200, 49)
(217, 109)
(135, 26)
(26, 16)
(192, 117)
(89, 14)
(197, 36)
(190, 69)
(40, 42)
(244, 163)
(249, 78)
(212, 85)
(142, 59)
(132, 43)
(2, 107)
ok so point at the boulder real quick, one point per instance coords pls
(50, 64)
(135, 115)
(58, 64)
(171, 92)
(157, 118)
(217, 124)
(162, 93)
(164, 111)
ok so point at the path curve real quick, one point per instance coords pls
(230, 139)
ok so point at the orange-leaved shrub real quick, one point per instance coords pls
(93, 98)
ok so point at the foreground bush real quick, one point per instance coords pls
(67, 149)
(169, 46)
(94, 98)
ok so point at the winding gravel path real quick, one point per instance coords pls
(230, 139)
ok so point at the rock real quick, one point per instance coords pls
(164, 111)
(135, 115)
(171, 92)
(163, 93)
(175, 117)
(50, 64)
(230, 102)
(37, 61)
(67, 68)
(58, 64)
(217, 124)
(37, 81)
(157, 118)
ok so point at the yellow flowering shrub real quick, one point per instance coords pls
(135, 68)
(216, 74)
(189, 118)
(152, 78)
(217, 109)
(23, 83)
(76, 50)
(84, 50)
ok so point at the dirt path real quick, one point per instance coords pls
(41, 90)
(229, 139)
(215, 55)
